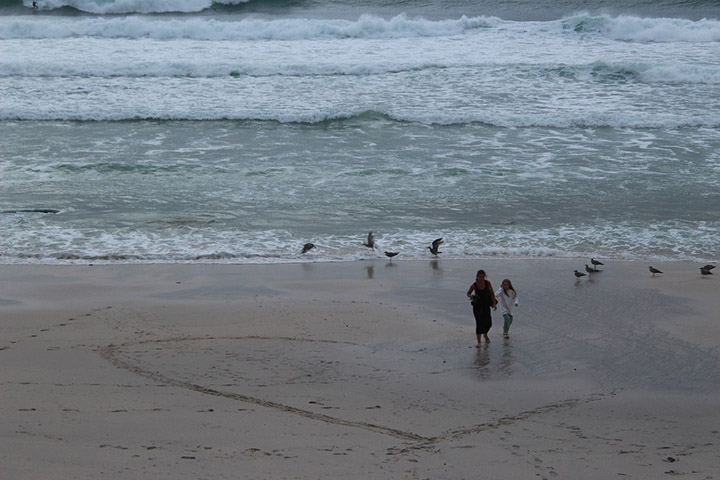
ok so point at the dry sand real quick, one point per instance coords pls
(357, 370)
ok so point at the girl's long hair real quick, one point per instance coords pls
(509, 283)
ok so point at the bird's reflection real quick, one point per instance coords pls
(435, 266)
(370, 271)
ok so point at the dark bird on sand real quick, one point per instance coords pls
(435, 245)
(390, 255)
(307, 247)
(708, 267)
(590, 269)
(370, 241)
(654, 270)
(596, 262)
(705, 271)
(579, 274)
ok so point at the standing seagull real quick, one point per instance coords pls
(370, 241)
(654, 270)
(596, 262)
(435, 245)
(578, 275)
(704, 271)
(307, 247)
(390, 255)
(591, 270)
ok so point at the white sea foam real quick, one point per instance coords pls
(663, 30)
(54, 244)
(626, 28)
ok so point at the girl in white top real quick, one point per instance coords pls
(507, 299)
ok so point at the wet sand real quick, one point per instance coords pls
(357, 370)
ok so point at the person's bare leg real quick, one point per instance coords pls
(487, 339)
(479, 339)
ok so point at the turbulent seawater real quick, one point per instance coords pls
(192, 131)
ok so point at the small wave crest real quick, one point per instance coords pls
(202, 69)
(654, 73)
(617, 71)
(505, 120)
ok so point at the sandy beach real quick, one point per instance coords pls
(357, 370)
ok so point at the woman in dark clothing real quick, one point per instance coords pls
(482, 296)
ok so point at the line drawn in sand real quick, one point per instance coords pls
(114, 354)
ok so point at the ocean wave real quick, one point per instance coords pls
(190, 69)
(653, 73)
(366, 26)
(651, 30)
(504, 120)
(618, 71)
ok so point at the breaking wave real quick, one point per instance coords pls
(623, 28)
(367, 26)
(652, 30)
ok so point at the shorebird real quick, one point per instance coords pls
(390, 255)
(435, 245)
(370, 241)
(708, 267)
(705, 271)
(579, 274)
(591, 270)
(596, 262)
(654, 270)
(307, 247)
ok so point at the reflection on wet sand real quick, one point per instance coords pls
(482, 362)
(507, 360)
(489, 363)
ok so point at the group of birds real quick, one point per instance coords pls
(590, 270)
(370, 243)
(435, 250)
(704, 270)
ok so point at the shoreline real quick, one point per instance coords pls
(355, 370)
(379, 258)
